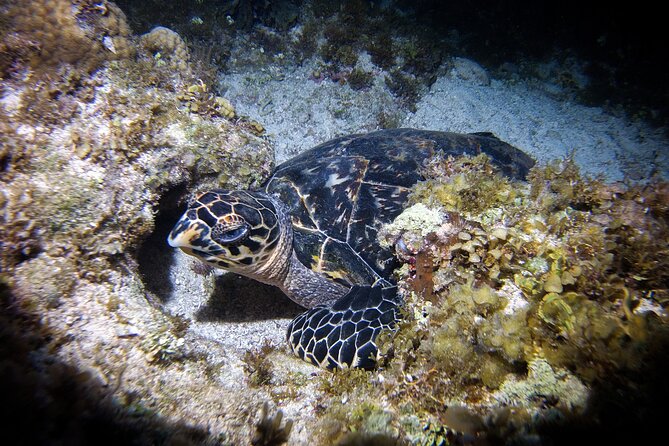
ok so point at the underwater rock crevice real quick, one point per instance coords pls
(172, 277)
(154, 256)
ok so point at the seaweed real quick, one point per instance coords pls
(258, 366)
(360, 80)
(525, 293)
(269, 431)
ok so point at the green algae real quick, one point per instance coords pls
(257, 365)
(529, 304)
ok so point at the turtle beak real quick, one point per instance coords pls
(184, 233)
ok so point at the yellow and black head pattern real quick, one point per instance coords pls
(234, 230)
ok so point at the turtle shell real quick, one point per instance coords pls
(340, 193)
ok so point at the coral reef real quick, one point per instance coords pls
(48, 399)
(419, 39)
(198, 99)
(45, 34)
(543, 382)
(168, 46)
(534, 312)
(99, 135)
(518, 295)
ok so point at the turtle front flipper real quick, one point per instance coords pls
(344, 334)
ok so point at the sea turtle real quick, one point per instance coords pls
(311, 229)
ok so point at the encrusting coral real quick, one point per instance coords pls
(44, 34)
(167, 45)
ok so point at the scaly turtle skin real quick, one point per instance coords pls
(311, 230)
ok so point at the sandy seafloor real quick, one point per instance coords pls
(299, 113)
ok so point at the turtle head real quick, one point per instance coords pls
(239, 231)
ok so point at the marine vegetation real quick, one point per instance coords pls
(269, 431)
(96, 125)
(524, 303)
(535, 312)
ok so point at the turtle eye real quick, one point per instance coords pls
(226, 235)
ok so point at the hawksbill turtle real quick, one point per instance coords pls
(311, 230)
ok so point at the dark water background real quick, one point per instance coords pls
(620, 44)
